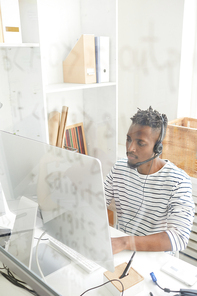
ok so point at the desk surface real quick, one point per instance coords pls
(72, 280)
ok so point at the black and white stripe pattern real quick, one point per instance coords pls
(148, 204)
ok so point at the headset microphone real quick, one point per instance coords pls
(136, 165)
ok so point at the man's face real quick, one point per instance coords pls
(140, 143)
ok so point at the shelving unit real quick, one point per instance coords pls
(21, 90)
(32, 73)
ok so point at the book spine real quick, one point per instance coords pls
(97, 56)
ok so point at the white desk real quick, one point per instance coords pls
(72, 280)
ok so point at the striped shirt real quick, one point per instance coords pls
(148, 204)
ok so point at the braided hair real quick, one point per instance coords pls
(150, 118)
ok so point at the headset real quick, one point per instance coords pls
(157, 149)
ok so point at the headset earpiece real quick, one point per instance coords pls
(158, 145)
(158, 148)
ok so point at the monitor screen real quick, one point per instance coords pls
(29, 277)
(68, 189)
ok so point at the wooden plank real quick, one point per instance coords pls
(190, 252)
(193, 236)
(192, 244)
(194, 198)
(194, 228)
(187, 259)
(53, 126)
(60, 137)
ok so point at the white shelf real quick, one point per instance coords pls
(35, 82)
(19, 45)
(61, 87)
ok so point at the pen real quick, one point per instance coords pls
(125, 272)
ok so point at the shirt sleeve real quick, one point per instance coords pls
(180, 215)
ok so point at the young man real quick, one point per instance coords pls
(153, 197)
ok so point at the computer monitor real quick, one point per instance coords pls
(68, 188)
(25, 274)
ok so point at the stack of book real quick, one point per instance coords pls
(69, 137)
(88, 61)
(75, 138)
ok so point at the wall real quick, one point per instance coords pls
(150, 34)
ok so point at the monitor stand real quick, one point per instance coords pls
(22, 244)
(21, 239)
(49, 260)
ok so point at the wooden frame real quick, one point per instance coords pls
(74, 137)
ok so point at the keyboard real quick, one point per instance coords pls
(83, 262)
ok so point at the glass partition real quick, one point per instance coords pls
(53, 190)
